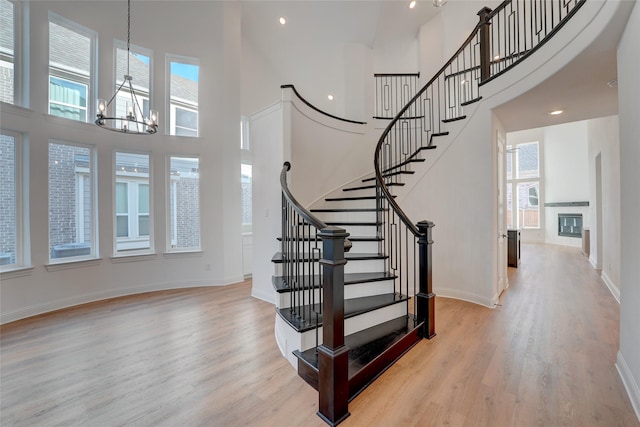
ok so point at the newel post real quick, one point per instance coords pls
(485, 44)
(333, 355)
(426, 299)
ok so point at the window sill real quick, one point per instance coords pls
(66, 265)
(117, 259)
(183, 254)
(14, 272)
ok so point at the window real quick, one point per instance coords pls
(132, 202)
(183, 97)
(140, 71)
(184, 203)
(72, 219)
(71, 53)
(523, 186)
(12, 226)
(246, 196)
(7, 51)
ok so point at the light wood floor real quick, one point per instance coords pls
(207, 357)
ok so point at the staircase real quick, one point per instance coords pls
(353, 276)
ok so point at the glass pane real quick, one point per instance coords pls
(185, 202)
(509, 211)
(528, 212)
(8, 224)
(7, 31)
(143, 198)
(139, 69)
(122, 226)
(527, 158)
(143, 225)
(69, 50)
(70, 207)
(186, 118)
(184, 91)
(67, 92)
(509, 161)
(122, 198)
(245, 180)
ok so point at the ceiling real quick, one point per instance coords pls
(580, 88)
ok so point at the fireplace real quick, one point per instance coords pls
(570, 225)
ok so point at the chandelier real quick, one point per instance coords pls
(133, 120)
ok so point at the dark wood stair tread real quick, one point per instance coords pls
(352, 307)
(389, 175)
(454, 119)
(364, 187)
(305, 282)
(371, 352)
(349, 256)
(471, 101)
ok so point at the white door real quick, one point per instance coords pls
(503, 282)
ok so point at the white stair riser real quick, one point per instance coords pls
(289, 339)
(353, 266)
(361, 247)
(366, 216)
(348, 204)
(356, 290)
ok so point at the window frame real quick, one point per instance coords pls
(91, 80)
(514, 180)
(79, 208)
(172, 207)
(21, 178)
(171, 105)
(132, 178)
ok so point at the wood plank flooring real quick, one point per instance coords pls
(207, 357)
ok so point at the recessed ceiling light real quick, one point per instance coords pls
(330, 97)
(282, 20)
(556, 112)
(412, 4)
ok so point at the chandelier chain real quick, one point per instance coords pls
(128, 33)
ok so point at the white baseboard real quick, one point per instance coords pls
(264, 296)
(615, 291)
(98, 296)
(593, 263)
(630, 383)
(467, 296)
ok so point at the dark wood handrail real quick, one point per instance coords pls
(396, 75)
(313, 107)
(385, 190)
(308, 216)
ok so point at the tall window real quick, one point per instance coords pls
(246, 180)
(184, 203)
(72, 219)
(183, 97)
(71, 53)
(140, 71)
(132, 202)
(7, 51)
(11, 223)
(523, 185)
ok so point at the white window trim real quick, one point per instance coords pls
(54, 74)
(169, 126)
(93, 182)
(172, 120)
(21, 167)
(172, 208)
(93, 61)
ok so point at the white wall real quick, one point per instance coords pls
(629, 105)
(199, 31)
(604, 141)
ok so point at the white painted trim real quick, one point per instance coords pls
(266, 111)
(630, 384)
(99, 296)
(615, 291)
(593, 263)
(467, 296)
